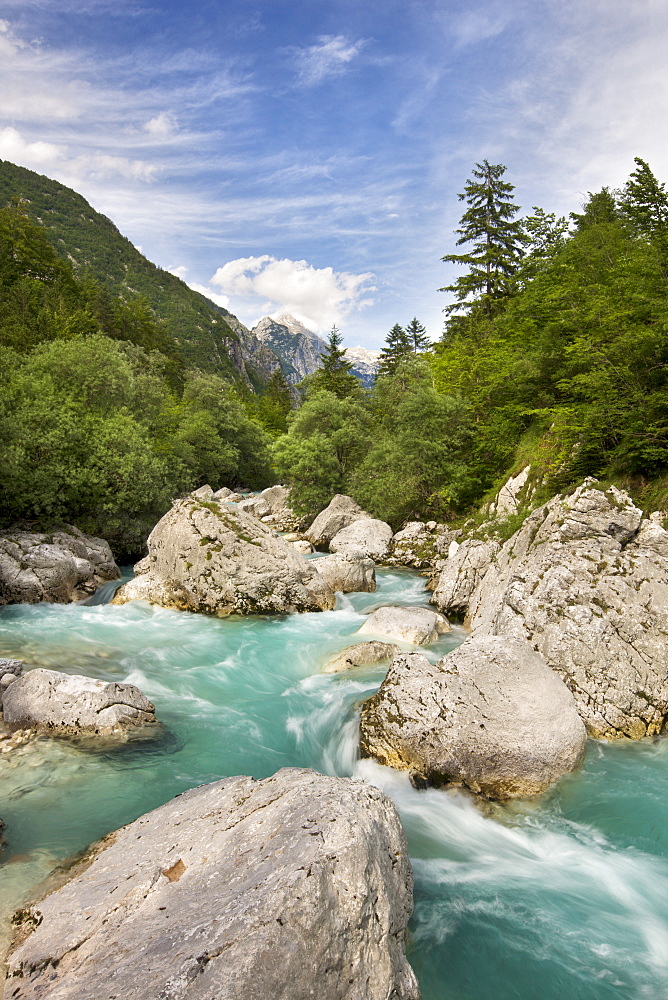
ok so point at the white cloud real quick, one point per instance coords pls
(330, 57)
(476, 26)
(57, 160)
(162, 126)
(317, 297)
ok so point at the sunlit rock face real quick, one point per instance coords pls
(213, 558)
(585, 582)
(294, 887)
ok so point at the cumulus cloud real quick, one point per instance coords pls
(330, 57)
(317, 297)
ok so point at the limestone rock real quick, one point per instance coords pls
(49, 700)
(359, 655)
(203, 493)
(585, 581)
(58, 567)
(339, 513)
(216, 559)
(347, 573)
(301, 545)
(419, 626)
(366, 535)
(461, 574)
(10, 670)
(491, 716)
(255, 505)
(509, 498)
(290, 888)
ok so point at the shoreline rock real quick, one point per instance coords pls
(58, 567)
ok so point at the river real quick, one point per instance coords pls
(563, 897)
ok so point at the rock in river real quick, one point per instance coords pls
(295, 887)
(348, 573)
(51, 701)
(366, 535)
(419, 626)
(491, 716)
(359, 655)
(340, 512)
(209, 557)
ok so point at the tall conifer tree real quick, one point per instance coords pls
(496, 237)
(335, 373)
(397, 346)
(417, 336)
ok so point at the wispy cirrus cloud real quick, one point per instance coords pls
(331, 56)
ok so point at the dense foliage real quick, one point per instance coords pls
(101, 425)
(554, 354)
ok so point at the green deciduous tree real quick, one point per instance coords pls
(326, 440)
(496, 240)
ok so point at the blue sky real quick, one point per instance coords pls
(306, 156)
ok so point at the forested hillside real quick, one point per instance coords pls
(101, 422)
(554, 355)
(92, 244)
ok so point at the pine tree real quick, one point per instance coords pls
(335, 373)
(398, 345)
(417, 335)
(489, 225)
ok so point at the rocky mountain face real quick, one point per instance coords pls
(365, 364)
(299, 350)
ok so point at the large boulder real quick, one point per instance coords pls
(58, 567)
(360, 655)
(462, 572)
(347, 573)
(366, 535)
(585, 582)
(295, 887)
(339, 513)
(213, 558)
(490, 716)
(54, 702)
(416, 625)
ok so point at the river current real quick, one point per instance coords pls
(562, 898)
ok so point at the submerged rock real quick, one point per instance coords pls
(212, 558)
(585, 582)
(59, 567)
(491, 716)
(338, 514)
(359, 655)
(295, 887)
(348, 572)
(51, 701)
(366, 535)
(419, 626)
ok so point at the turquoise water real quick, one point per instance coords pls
(566, 897)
